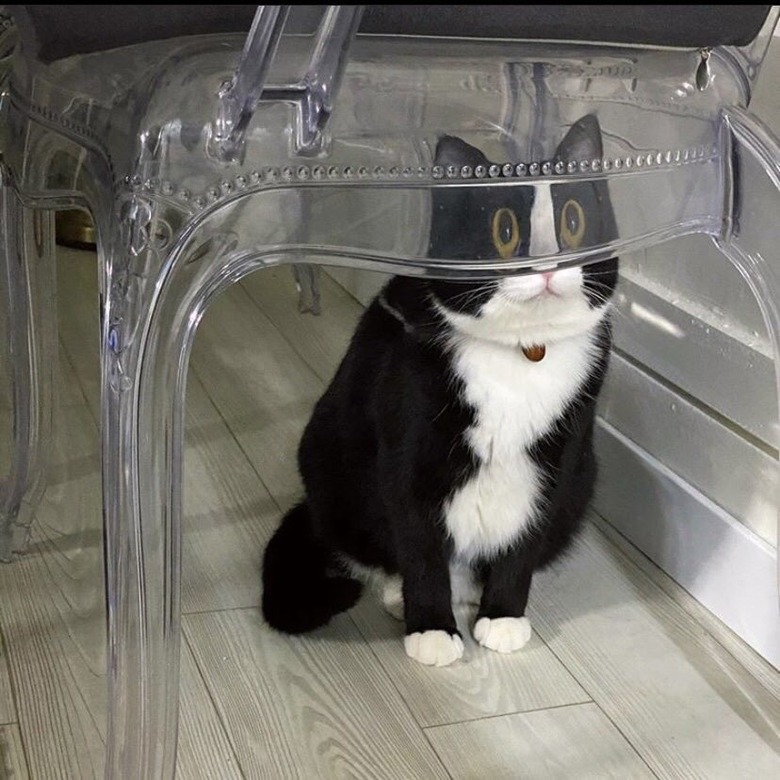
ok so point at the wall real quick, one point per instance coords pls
(689, 424)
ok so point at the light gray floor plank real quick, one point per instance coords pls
(79, 328)
(12, 763)
(68, 388)
(320, 341)
(53, 611)
(484, 683)
(559, 744)
(69, 392)
(53, 615)
(228, 514)
(55, 634)
(744, 660)
(7, 707)
(652, 670)
(204, 753)
(62, 690)
(318, 707)
(263, 390)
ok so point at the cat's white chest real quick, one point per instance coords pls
(516, 402)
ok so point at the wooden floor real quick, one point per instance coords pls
(625, 676)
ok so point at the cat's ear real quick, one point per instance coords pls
(582, 142)
(451, 150)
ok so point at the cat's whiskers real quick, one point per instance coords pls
(467, 296)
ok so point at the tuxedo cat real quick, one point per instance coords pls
(451, 455)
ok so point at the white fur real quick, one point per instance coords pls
(523, 313)
(544, 235)
(516, 401)
(434, 648)
(504, 635)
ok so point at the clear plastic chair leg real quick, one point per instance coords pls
(148, 326)
(27, 267)
(752, 240)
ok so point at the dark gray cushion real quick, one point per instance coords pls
(57, 31)
(685, 26)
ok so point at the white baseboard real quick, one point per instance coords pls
(723, 565)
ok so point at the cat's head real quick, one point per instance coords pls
(505, 222)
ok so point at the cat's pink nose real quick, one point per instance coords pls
(547, 276)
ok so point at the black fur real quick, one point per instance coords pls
(385, 446)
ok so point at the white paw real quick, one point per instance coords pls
(504, 635)
(392, 597)
(434, 648)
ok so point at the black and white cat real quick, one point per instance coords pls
(451, 455)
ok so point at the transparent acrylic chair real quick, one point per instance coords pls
(203, 153)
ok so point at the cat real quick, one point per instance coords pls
(451, 456)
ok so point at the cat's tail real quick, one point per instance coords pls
(302, 586)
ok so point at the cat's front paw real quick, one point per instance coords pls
(434, 648)
(504, 635)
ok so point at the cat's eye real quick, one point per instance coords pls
(572, 224)
(506, 232)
